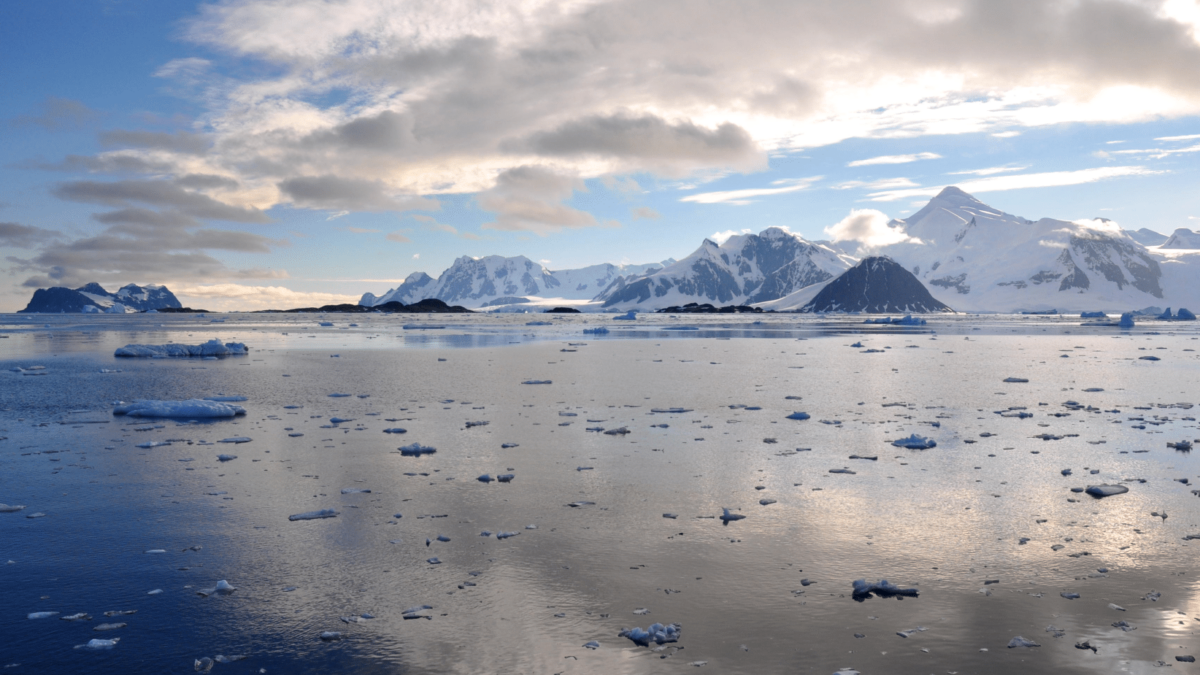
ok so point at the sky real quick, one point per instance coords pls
(284, 153)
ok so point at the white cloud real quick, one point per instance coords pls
(416, 256)
(882, 184)
(895, 159)
(1159, 153)
(241, 297)
(1022, 181)
(722, 237)
(1006, 134)
(744, 197)
(1104, 225)
(987, 172)
(1189, 137)
(868, 227)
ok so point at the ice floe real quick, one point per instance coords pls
(195, 407)
(211, 348)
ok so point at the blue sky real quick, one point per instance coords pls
(255, 154)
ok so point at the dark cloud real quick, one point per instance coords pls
(648, 138)
(349, 194)
(58, 114)
(388, 131)
(646, 213)
(107, 163)
(530, 198)
(182, 142)
(204, 181)
(16, 235)
(156, 193)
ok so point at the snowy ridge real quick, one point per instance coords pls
(747, 268)
(93, 298)
(1182, 238)
(478, 282)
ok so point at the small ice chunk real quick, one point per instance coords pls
(42, 615)
(110, 626)
(1019, 641)
(505, 477)
(314, 515)
(1015, 379)
(222, 588)
(355, 491)
(5, 508)
(485, 478)
(235, 439)
(416, 450)
(225, 399)
(331, 635)
(728, 516)
(213, 347)
(799, 416)
(882, 588)
(156, 550)
(192, 408)
(506, 535)
(592, 645)
(1100, 491)
(915, 442)
(537, 382)
(395, 430)
(226, 458)
(99, 644)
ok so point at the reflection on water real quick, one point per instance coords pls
(768, 593)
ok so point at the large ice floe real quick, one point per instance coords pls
(190, 408)
(657, 633)
(213, 347)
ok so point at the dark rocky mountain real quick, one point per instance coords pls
(877, 285)
(94, 298)
(426, 306)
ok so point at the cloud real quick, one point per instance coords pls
(1103, 225)
(894, 159)
(645, 213)
(722, 237)
(1006, 134)
(744, 197)
(881, 184)
(156, 193)
(1189, 137)
(349, 194)
(16, 235)
(868, 227)
(530, 198)
(1156, 153)
(181, 142)
(58, 114)
(242, 297)
(398, 237)
(1022, 181)
(361, 230)
(672, 148)
(991, 171)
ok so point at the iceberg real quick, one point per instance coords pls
(799, 416)
(416, 450)
(657, 633)
(314, 515)
(1126, 320)
(882, 588)
(631, 315)
(915, 442)
(595, 331)
(908, 320)
(1101, 491)
(190, 408)
(213, 347)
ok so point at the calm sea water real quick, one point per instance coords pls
(770, 593)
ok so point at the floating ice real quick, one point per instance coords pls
(799, 416)
(631, 315)
(331, 635)
(225, 399)
(395, 430)
(418, 612)
(671, 410)
(190, 408)
(506, 535)
(222, 588)
(211, 348)
(657, 633)
(5, 508)
(595, 331)
(99, 644)
(1099, 491)
(314, 515)
(42, 615)
(416, 450)
(82, 616)
(617, 432)
(1126, 320)
(537, 382)
(354, 491)
(505, 477)
(110, 626)
(727, 516)
(882, 588)
(153, 444)
(485, 478)
(906, 321)
(915, 442)
(1019, 641)
(235, 439)
(592, 645)
(1015, 379)
(226, 458)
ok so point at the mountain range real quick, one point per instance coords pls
(969, 255)
(94, 298)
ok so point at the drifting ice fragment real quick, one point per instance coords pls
(355, 491)
(314, 515)
(1019, 641)
(657, 633)
(211, 348)
(1015, 379)
(617, 432)
(331, 635)
(222, 588)
(99, 644)
(915, 442)
(505, 477)
(882, 588)
(5, 508)
(416, 450)
(592, 645)
(537, 382)
(191, 408)
(727, 516)
(226, 458)
(1099, 491)
(799, 416)
(42, 615)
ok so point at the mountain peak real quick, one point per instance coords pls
(952, 192)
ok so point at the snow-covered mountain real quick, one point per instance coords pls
(1146, 236)
(977, 258)
(745, 269)
(94, 298)
(1182, 238)
(476, 282)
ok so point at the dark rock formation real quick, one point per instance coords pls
(694, 308)
(876, 285)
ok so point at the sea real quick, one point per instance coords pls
(656, 473)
